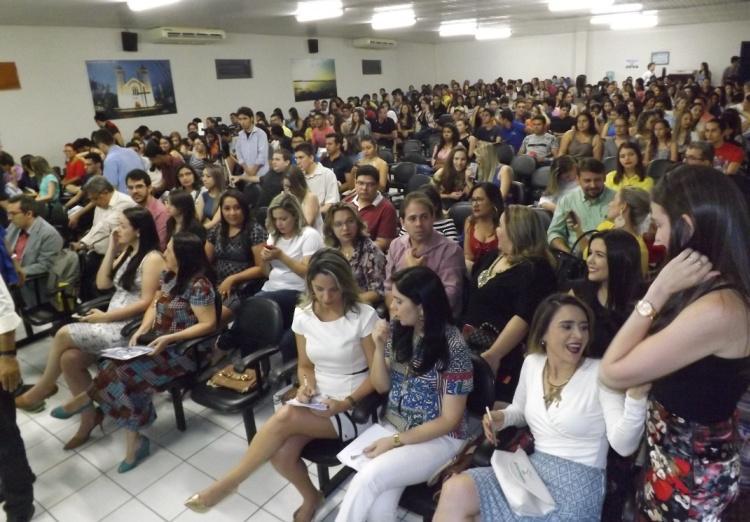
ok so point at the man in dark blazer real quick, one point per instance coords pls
(32, 243)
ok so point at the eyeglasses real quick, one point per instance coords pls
(341, 224)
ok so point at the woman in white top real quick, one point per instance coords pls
(295, 183)
(335, 349)
(573, 418)
(290, 245)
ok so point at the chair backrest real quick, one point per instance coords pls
(540, 178)
(401, 173)
(416, 181)
(610, 163)
(415, 157)
(545, 216)
(259, 324)
(658, 167)
(445, 119)
(523, 166)
(386, 155)
(505, 153)
(517, 195)
(459, 212)
(413, 146)
(483, 394)
(261, 213)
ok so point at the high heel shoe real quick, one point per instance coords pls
(196, 504)
(60, 413)
(37, 406)
(144, 450)
(79, 440)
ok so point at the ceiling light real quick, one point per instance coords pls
(142, 5)
(458, 28)
(393, 17)
(493, 33)
(318, 10)
(618, 8)
(627, 21)
(577, 5)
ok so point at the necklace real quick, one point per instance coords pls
(553, 395)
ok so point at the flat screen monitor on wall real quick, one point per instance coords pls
(372, 67)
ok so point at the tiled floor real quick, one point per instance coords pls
(83, 485)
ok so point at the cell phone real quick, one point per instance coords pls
(270, 247)
(572, 216)
(77, 317)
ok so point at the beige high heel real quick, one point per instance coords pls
(196, 504)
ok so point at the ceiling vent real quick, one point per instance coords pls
(185, 35)
(374, 43)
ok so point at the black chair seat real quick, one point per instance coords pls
(43, 314)
(420, 499)
(324, 451)
(224, 399)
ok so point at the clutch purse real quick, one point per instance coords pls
(227, 377)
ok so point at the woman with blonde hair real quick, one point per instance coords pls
(345, 231)
(295, 183)
(506, 289)
(487, 168)
(333, 331)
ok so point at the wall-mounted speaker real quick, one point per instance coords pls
(129, 41)
(312, 45)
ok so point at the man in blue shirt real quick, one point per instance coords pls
(118, 162)
(251, 150)
(511, 131)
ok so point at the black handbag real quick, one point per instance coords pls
(482, 338)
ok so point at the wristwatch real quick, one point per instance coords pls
(397, 440)
(645, 309)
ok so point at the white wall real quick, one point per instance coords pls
(54, 103)
(592, 52)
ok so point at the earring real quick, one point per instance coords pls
(543, 343)
(420, 317)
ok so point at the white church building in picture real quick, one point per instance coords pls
(136, 92)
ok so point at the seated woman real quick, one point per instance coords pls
(189, 181)
(181, 209)
(286, 253)
(49, 182)
(449, 140)
(132, 264)
(233, 248)
(573, 418)
(295, 183)
(345, 231)
(662, 144)
(506, 287)
(563, 178)
(479, 229)
(489, 169)
(450, 180)
(333, 331)
(183, 309)
(612, 285)
(423, 363)
(582, 141)
(630, 170)
(207, 206)
(370, 157)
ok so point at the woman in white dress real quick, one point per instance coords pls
(132, 265)
(335, 349)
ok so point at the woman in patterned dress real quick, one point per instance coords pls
(689, 336)
(183, 309)
(345, 231)
(132, 265)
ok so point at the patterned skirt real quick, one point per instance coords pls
(578, 491)
(124, 389)
(692, 472)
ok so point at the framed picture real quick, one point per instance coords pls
(131, 88)
(660, 58)
(9, 76)
(313, 79)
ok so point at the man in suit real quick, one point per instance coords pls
(32, 243)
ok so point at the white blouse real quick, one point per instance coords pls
(588, 418)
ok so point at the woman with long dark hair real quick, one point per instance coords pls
(233, 247)
(131, 265)
(630, 171)
(449, 139)
(294, 122)
(612, 285)
(181, 209)
(582, 141)
(423, 363)
(689, 337)
(451, 179)
(662, 144)
(183, 309)
(480, 235)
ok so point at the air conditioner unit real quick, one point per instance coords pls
(374, 43)
(184, 35)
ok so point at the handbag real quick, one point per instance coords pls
(228, 377)
(480, 339)
(524, 490)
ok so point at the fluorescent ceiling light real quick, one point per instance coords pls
(634, 21)
(577, 5)
(393, 17)
(142, 5)
(618, 8)
(458, 28)
(318, 10)
(493, 33)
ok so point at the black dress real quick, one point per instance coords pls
(606, 322)
(516, 291)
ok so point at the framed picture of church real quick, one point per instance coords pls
(131, 88)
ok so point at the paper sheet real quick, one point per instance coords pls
(352, 455)
(314, 404)
(125, 353)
